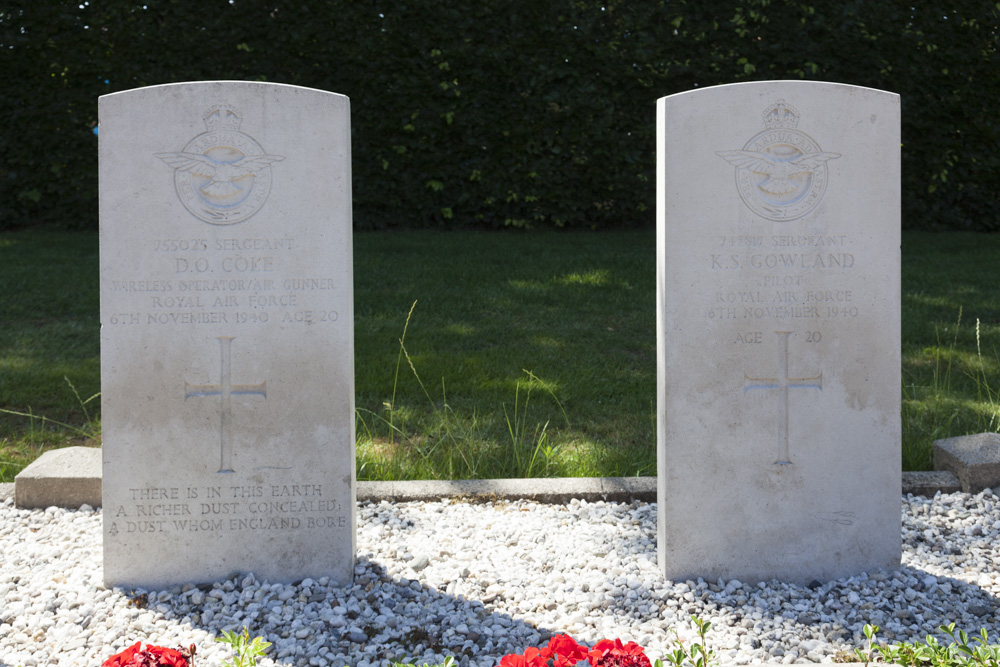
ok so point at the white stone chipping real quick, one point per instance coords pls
(481, 580)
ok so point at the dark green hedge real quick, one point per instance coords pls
(506, 113)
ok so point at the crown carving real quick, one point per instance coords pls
(781, 115)
(222, 117)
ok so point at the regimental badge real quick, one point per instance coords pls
(781, 173)
(222, 176)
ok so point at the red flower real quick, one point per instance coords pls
(122, 659)
(531, 658)
(607, 653)
(564, 650)
(534, 658)
(152, 656)
(167, 657)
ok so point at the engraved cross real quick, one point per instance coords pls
(225, 390)
(784, 383)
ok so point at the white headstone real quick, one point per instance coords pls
(227, 343)
(778, 322)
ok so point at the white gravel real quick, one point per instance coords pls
(478, 581)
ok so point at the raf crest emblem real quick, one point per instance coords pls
(781, 173)
(222, 176)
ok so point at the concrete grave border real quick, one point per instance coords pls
(69, 478)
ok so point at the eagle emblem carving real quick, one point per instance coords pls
(222, 176)
(781, 173)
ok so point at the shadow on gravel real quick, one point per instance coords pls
(379, 618)
(391, 613)
(389, 619)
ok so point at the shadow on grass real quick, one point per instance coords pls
(49, 329)
(583, 321)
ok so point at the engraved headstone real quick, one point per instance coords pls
(227, 359)
(778, 315)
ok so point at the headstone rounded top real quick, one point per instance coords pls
(227, 359)
(778, 331)
(196, 87)
(797, 85)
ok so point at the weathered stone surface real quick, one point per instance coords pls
(227, 333)
(778, 328)
(67, 477)
(929, 482)
(974, 459)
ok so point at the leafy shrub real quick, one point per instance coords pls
(516, 114)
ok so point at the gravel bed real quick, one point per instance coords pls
(478, 581)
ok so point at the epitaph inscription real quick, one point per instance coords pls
(216, 509)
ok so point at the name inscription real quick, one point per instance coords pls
(782, 277)
(224, 281)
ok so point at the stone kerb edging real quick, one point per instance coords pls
(551, 490)
(71, 477)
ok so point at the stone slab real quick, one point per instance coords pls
(554, 491)
(929, 482)
(974, 459)
(778, 317)
(227, 357)
(68, 477)
(560, 490)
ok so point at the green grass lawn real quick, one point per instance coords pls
(525, 354)
(49, 343)
(951, 340)
(508, 332)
